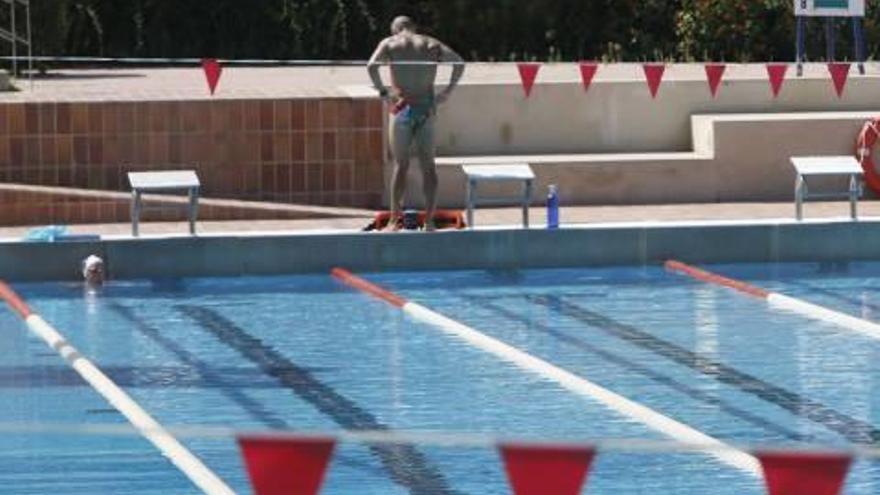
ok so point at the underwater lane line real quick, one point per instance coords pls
(574, 383)
(854, 430)
(216, 377)
(405, 465)
(780, 301)
(224, 379)
(696, 394)
(180, 456)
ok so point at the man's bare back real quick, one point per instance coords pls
(413, 58)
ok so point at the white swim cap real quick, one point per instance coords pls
(91, 262)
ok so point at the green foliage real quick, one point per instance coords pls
(555, 30)
(64, 26)
(741, 31)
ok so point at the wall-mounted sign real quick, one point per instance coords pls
(830, 8)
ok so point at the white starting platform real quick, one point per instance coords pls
(515, 172)
(827, 166)
(162, 182)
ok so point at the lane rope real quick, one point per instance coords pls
(781, 301)
(706, 276)
(149, 428)
(574, 383)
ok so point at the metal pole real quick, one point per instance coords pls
(30, 45)
(14, 40)
(135, 211)
(800, 50)
(193, 209)
(830, 39)
(859, 37)
(470, 194)
(853, 195)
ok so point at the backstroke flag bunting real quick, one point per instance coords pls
(286, 466)
(654, 75)
(777, 75)
(588, 71)
(714, 73)
(528, 71)
(839, 73)
(212, 70)
(803, 473)
(546, 469)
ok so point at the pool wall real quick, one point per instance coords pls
(623, 244)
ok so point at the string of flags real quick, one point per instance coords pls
(528, 73)
(296, 466)
(654, 72)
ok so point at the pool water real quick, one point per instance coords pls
(308, 353)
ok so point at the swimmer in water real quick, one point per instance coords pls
(93, 271)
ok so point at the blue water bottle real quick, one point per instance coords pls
(553, 207)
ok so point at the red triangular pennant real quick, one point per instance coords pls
(714, 72)
(588, 70)
(212, 70)
(546, 469)
(777, 75)
(528, 71)
(654, 75)
(800, 473)
(286, 466)
(839, 72)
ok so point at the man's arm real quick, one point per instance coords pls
(380, 55)
(448, 55)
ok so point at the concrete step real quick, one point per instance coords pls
(735, 157)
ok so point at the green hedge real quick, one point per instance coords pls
(611, 30)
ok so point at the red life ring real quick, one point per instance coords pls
(865, 152)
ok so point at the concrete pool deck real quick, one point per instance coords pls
(594, 236)
(495, 217)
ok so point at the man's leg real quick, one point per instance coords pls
(425, 149)
(401, 140)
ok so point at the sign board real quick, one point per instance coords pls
(830, 8)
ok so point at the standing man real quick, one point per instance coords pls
(413, 105)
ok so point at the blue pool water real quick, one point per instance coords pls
(308, 353)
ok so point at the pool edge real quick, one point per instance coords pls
(237, 254)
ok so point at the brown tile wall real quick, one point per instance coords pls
(309, 151)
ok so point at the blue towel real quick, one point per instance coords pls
(48, 233)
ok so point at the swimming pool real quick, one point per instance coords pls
(308, 353)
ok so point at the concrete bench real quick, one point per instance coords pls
(826, 166)
(515, 172)
(159, 182)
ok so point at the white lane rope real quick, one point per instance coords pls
(781, 301)
(574, 383)
(581, 386)
(180, 456)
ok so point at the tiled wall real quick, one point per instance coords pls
(310, 151)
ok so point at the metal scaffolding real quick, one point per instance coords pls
(13, 36)
(830, 34)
